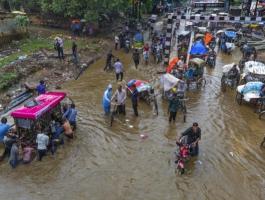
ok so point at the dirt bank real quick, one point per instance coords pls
(42, 63)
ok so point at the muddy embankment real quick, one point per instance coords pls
(42, 63)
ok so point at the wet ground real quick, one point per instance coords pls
(115, 164)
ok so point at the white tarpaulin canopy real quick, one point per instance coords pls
(254, 68)
(168, 81)
(250, 95)
(228, 67)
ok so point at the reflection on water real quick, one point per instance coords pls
(115, 163)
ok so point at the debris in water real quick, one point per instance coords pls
(127, 120)
(22, 57)
(143, 136)
(231, 153)
(130, 126)
(200, 162)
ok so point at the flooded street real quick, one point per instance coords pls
(116, 164)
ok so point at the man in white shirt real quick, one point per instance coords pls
(118, 70)
(117, 40)
(120, 98)
(180, 63)
(42, 141)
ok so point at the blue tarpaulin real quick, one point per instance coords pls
(231, 34)
(198, 48)
(138, 37)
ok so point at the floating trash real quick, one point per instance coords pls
(127, 120)
(231, 153)
(143, 136)
(22, 57)
(200, 162)
(130, 126)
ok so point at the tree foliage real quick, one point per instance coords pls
(89, 9)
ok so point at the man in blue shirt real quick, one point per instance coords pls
(4, 127)
(71, 114)
(41, 88)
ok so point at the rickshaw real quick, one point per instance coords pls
(251, 93)
(37, 114)
(198, 36)
(145, 90)
(168, 83)
(253, 71)
(228, 40)
(138, 41)
(184, 36)
(194, 73)
(198, 50)
(228, 79)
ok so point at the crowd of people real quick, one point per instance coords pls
(116, 102)
(21, 148)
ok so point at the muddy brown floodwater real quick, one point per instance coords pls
(115, 164)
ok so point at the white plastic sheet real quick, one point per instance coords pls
(168, 81)
(254, 68)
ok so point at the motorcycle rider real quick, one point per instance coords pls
(212, 53)
(234, 74)
(191, 137)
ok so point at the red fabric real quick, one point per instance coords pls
(208, 38)
(172, 63)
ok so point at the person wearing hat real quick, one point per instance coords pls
(58, 45)
(191, 137)
(173, 106)
(106, 102)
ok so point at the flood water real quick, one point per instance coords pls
(115, 164)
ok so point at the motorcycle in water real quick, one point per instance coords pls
(182, 156)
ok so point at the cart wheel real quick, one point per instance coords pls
(239, 98)
(156, 106)
(261, 114)
(223, 85)
(184, 113)
(111, 119)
